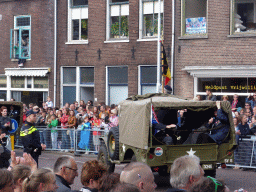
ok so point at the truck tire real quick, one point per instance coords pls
(103, 158)
(113, 143)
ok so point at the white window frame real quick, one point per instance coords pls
(78, 84)
(232, 17)
(107, 99)
(108, 27)
(83, 10)
(141, 13)
(139, 76)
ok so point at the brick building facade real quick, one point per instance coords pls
(26, 29)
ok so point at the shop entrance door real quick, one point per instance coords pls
(36, 97)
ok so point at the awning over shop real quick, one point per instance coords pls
(221, 71)
(39, 72)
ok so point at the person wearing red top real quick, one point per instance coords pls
(96, 134)
(65, 132)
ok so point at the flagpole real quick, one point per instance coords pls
(158, 84)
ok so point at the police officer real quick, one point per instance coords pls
(30, 136)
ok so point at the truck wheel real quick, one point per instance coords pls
(113, 143)
(103, 158)
(211, 173)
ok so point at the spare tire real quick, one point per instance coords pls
(113, 143)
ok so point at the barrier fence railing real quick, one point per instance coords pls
(69, 139)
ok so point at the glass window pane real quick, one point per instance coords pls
(244, 19)
(40, 82)
(118, 1)
(251, 84)
(195, 16)
(117, 94)
(3, 81)
(118, 75)
(75, 29)
(148, 74)
(124, 26)
(114, 32)
(17, 82)
(213, 84)
(22, 21)
(148, 89)
(84, 29)
(2, 95)
(29, 82)
(237, 85)
(69, 75)
(69, 95)
(87, 75)
(79, 2)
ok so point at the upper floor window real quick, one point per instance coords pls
(78, 21)
(243, 16)
(194, 17)
(117, 19)
(20, 44)
(149, 18)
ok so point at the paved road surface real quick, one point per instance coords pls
(234, 179)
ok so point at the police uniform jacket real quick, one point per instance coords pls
(30, 138)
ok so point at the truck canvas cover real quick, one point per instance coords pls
(135, 115)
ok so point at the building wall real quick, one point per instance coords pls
(42, 36)
(219, 49)
(112, 54)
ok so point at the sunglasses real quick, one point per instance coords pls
(217, 183)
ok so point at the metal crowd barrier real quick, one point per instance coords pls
(69, 140)
(245, 154)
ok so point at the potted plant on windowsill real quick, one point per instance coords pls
(115, 29)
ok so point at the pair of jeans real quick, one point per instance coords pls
(54, 136)
(72, 139)
(65, 139)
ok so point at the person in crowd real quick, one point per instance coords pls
(225, 98)
(13, 113)
(207, 184)
(65, 133)
(73, 108)
(41, 180)
(251, 99)
(25, 106)
(5, 121)
(124, 187)
(210, 96)
(96, 133)
(102, 110)
(54, 132)
(91, 172)
(167, 89)
(42, 124)
(197, 98)
(90, 102)
(26, 159)
(5, 154)
(82, 103)
(24, 115)
(76, 105)
(107, 181)
(237, 132)
(72, 125)
(59, 116)
(105, 123)
(30, 106)
(140, 175)
(81, 115)
(95, 110)
(248, 113)
(241, 111)
(85, 135)
(30, 136)
(113, 118)
(20, 173)
(253, 125)
(185, 171)
(49, 103)
(254, 111)
(235, 103)
(6, 181)
(65, 169)
(243, 127)
(248, 106)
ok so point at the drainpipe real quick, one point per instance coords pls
(55, 55)
(173, 40)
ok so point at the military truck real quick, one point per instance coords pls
(134, 139)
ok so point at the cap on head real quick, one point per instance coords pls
(30, 112)
(168, 88)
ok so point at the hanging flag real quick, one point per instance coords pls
(165, 68)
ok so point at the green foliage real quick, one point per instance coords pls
(124, 31)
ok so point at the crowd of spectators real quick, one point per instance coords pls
(186, 175)
(57, 125)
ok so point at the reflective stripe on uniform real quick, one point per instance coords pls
(28, 131)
